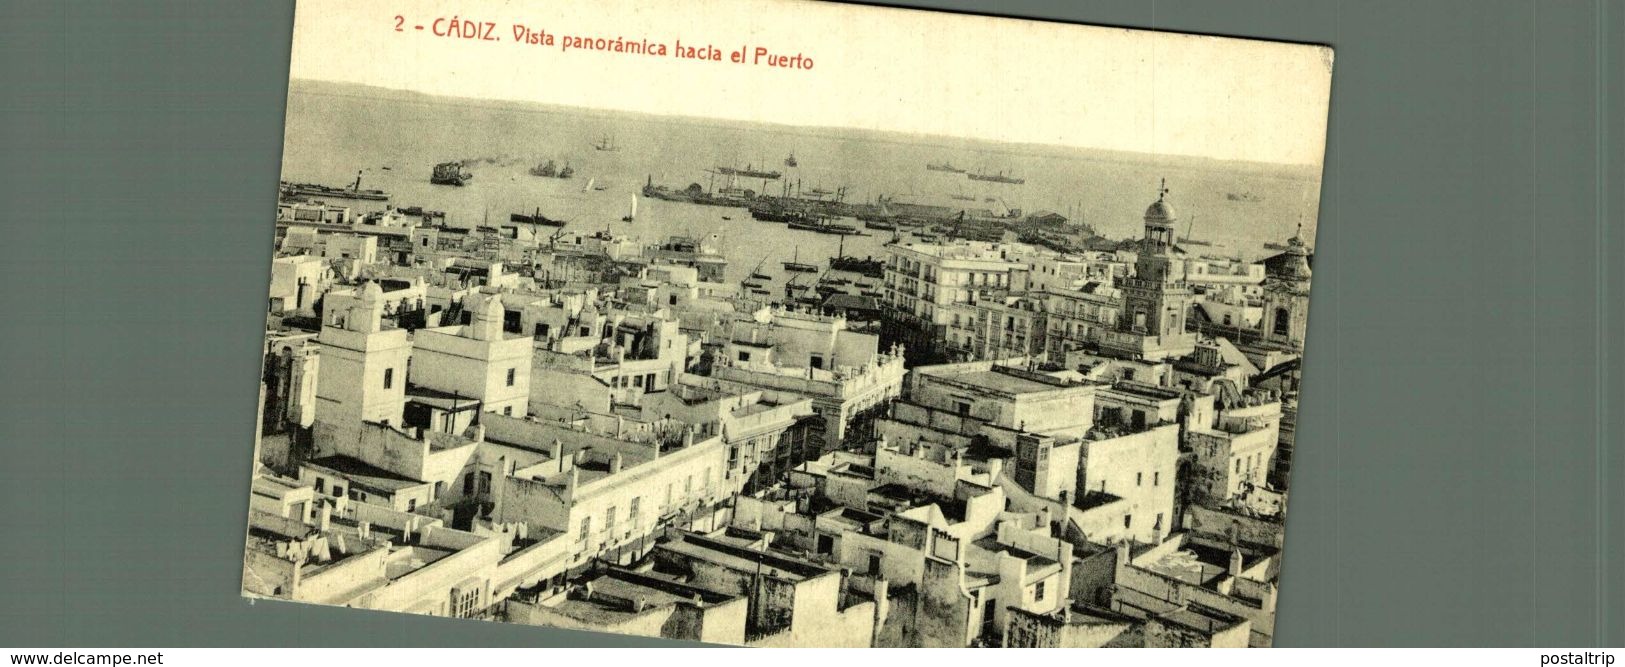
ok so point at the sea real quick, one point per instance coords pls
(394, 138)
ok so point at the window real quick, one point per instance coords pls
(511, 373)
(338, 491)
(1139, 478)
(464, 603)
(1128, 520)
(411, 504)
(485, 482)
(816, 361)
(389, 378)
(586, 528)
(1156, 478)
(507, 411)
(1238, 465)
(321, 485)
(1128, 374)
(744, 356)
(468, 484)
(1038, 591)
(672, 300)
(609, 520)
(874, 563)
(1283, 321)
(962, 407)
(633, 510)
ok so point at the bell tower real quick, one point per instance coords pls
(1286, 296)
(1157, 299)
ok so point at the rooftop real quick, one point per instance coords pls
(362, 472)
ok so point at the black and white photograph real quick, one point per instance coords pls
(669, 320)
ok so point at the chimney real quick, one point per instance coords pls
(555, 451)
(1235, 563)
(615, 463)
(571, 481)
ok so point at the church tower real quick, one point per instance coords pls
(1286, 296)
(1157, 299)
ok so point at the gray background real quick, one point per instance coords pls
(1458, 473)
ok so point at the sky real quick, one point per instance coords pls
(872, 68)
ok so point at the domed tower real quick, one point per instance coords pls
(1286, 296)
(1156, 299)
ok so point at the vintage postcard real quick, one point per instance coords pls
(786, 324)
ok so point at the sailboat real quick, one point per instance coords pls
(607, 143)
(757, 274)
(799, 266)
(633, 213)
(790, 161)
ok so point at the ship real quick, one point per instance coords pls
(867, 266)
(607, 143)
(795, 264)
(567, 171)
(790, 161)
(314, 190)
(545, 170)
(535, 219)
(823, 227)
(1243, 196)
(997, 178)
(451, 173)
(944, 166)
(749, 172)
(632, 214)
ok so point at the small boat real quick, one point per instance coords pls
(632, 214)
(756, 273)
(567, 171)
(545, 170)
(790, 161)
(588, 186)
(727, 217)
(799, 266)
(944, 166)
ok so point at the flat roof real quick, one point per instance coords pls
(360, 471)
